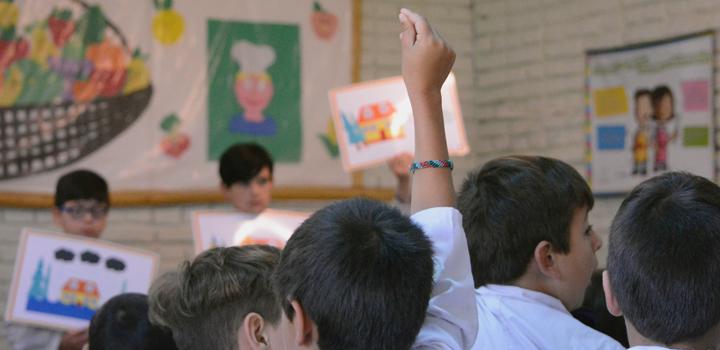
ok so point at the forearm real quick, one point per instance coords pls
(431, 187)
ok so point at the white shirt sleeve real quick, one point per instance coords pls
(451, 320)
(22, 337)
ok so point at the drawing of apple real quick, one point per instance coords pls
(324, 23)
(175, 145)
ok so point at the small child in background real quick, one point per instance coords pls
(246, 173)
(82, 202)
(663, 266)
(221, 300)
(532, 252)
(122, 324)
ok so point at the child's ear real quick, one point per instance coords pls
(253, 331)
(545, 260)
(304, 328)
(57, 217)
(610, 301)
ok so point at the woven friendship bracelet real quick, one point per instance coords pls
(431, 164)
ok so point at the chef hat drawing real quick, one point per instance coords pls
(253, 58)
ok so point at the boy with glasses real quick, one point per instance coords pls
(81, 208)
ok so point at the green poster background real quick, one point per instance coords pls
(286, 144)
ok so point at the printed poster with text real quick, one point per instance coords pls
(650, 110)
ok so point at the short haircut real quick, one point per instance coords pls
(663, 259)
(642, 92)
(242, 162)
(362, 272)
(81, 184)
(512, 204)
(205, 303)
(123, 324)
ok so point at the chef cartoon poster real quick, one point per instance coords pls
(60, 281)
(149, 93)
(650, 110)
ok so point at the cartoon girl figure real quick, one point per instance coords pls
(254, 89)
(664, 112)
(641, 139)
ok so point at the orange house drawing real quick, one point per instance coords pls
(81, 293)
(376, 122)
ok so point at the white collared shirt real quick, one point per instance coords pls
(451, 321)
(515, 318)
(648, 347)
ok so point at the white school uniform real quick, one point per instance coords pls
(515, 318)
(648, 347)
(451, 321)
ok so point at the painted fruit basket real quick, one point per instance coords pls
(69, 83)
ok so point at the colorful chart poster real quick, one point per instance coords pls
(650, 110)
(222, 229)
(373, 121)
(60, 281)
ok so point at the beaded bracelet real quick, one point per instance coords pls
(431, 164)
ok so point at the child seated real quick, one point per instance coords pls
(532, 254)
(663, 267)
(81, 208)
(221, 300)
(358, 274)
(122, 324)
(246, 171)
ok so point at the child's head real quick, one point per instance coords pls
(355, 275)
(221, 300)
(526, 223)
(122, 324)
(81, 203)
(643, 106)
(246, 171)
(663, 103)
(663, 266)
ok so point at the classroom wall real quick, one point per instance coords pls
(520, 73)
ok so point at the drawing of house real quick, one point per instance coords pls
(81, 293)
(376, 122)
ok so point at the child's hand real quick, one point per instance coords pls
(426, 57)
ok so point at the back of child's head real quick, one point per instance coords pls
(512, 204)
(362, 273)
(123, 324)
(243, 161)
(205, 303)
(81, 185)
(663, 262)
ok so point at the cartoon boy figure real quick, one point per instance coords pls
(253, 89)
(664, 112)
(641, 140)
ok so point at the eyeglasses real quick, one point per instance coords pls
(79, 212)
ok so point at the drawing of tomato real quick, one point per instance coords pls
(324, 23)
(61, 26)
(168, 25)
(175, 145)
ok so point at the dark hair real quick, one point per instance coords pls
(205, 303)
(657, 94)
(81, 184)
(242, 162)
(362, 272)
(663, 259)
(642, 92)
(122, 324)
(594, 312)
(511, 205)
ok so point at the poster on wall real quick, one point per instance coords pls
(374, 121)
(149, 93)
(650, 110)
(60, 281)
(222, 229)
